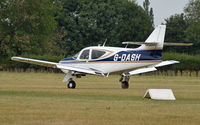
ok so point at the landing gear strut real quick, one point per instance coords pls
(71, 84)
(124, 83)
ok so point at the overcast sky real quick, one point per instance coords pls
(165, 8)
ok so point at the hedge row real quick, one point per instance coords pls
(187, 62)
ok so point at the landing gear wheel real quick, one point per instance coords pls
(71, 85)
(125, 85)
(124, 81)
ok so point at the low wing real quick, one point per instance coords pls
(151, 68)
(57, 65)
(168, 62)
(141, 70)
(35, 61)
(79, 69)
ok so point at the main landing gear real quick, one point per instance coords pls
(71, 84)
(124, 81)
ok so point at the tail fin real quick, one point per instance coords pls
(156, 39)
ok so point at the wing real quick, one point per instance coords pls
(168, 62)
(80, 69)
(35, 61)
(151, 68)
(57, 65)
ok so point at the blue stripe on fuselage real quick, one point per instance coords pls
(68, 59)
(140, 55)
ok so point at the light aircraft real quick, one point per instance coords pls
(103, 60)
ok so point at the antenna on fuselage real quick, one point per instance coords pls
(105, 42)
(126, 45)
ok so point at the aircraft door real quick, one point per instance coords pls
(97, 54)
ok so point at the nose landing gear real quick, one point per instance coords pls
(71, 84)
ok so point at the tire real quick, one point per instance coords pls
(71, 85)
(125, 85)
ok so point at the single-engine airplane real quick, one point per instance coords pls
(103, 60)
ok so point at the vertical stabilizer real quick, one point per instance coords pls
(157, 38)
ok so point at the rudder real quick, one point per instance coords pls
(156, 38)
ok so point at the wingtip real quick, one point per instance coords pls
(176, 61)
(13, 58)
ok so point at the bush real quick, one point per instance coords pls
(187, 62)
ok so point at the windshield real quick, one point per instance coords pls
(75, 56)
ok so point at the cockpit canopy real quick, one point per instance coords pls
(90, 54)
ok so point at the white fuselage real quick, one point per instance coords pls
(115, 59)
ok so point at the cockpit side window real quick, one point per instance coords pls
(97, 54)
(85, 54)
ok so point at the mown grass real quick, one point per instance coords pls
(39, 98)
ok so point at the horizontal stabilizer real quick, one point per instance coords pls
(141, 70)
(164, 63)
(178, 44)
(141, 43)
(154, 43)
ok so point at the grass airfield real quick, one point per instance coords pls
(42, 99)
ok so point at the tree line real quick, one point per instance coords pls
(54, 29)
(185, 27)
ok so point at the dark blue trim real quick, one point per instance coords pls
(143, 55)
(149, 55)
